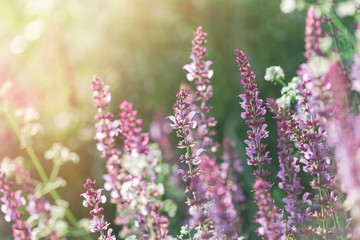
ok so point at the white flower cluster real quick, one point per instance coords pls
(288, 93)
(29, 127)
(61, 154)
(7, 165)
(288, 6)
(136, 164)
(319, 65)
(273, 73)
(348, 8)
(186, 233)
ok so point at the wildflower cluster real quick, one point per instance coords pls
(316, 166)
(24, 198)
(32, 215)
(131, 177)
(212, 188)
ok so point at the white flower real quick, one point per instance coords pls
(288, 92)
(345, 9)
(274, 72)
(287, 6)
(319, 65)
(61, 154)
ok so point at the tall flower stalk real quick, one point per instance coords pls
(268, 216)
(221, 211)
(299, 210)
(200, 73)
(253, 112)
(314, 108)
(130, 177)
(183, 121)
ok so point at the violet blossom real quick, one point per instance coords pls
(148, 217)
(93, 198)
(130, 128)
(159, 131)
(268, 216)
(299, 210)
(313, 109)
(230, 168)
(183, 122)
(345, 137)
(133, 189)
(343, 130)
(254, 111)
(11, 203)
(200, 73)
(221, 211)
(319, 78)
(106, 128)
(43, 222)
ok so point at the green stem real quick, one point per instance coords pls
(34, 159)
(281, 82)
(336, 42)
(335, 216)
(55, 171)
(190, 237)
(37, 164)
(322, 208)
(188, 153)
(151, 230)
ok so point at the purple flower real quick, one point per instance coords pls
(183, 122)
(135, 195)
(9, 207)
(159, 132)
(198, 69)
(200, 73)
(98, 224)
(11, 203)
(130, 129)
(355, 73)
(289, 168)
(93, 198)
(344, 136)
(316, 103)
(253, 112)
(312, 34)
(108, 236)
(106, 129)
(222, 211)
(230, 169)
(268, 216)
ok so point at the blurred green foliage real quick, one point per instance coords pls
(138, 47)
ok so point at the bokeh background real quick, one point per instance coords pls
(49, 50)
